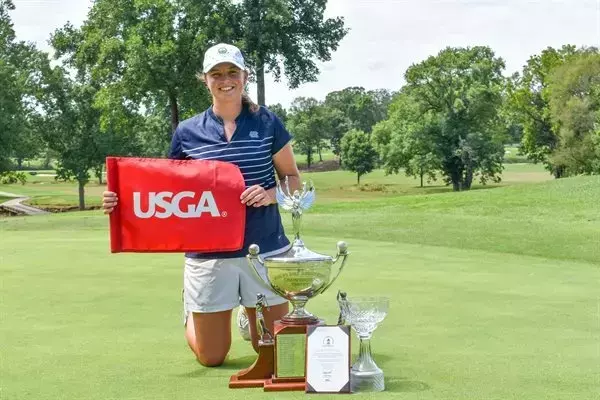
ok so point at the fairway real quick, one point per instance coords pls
(494, 295)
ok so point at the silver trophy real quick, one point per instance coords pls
(364, 314)
(299, 273)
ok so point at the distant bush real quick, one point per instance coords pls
(12, 177)
(373, 187)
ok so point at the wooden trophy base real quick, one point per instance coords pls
(257, 373)
(285, 384)
(263, 373)
(280, 384)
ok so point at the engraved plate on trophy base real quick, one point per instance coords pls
(289, 353)
(290, 358)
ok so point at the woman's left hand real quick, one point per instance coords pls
(257, 196)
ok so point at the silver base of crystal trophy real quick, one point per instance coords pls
(364, 314)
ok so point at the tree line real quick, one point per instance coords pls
(124, 79)
(456, 112)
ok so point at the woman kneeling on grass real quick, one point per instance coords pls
(235, 130)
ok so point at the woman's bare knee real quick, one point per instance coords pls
(211, 360)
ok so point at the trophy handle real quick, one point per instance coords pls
(342, 252)
(254, 250)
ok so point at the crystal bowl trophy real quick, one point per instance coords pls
(364, 314)
(297, 275)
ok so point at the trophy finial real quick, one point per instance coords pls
(295, 202)
(254, 249)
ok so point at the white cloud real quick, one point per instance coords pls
(387, 36)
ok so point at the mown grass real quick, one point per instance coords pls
(494, 295)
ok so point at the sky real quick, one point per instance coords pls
(388, 36)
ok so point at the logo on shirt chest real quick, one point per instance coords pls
(253, 135)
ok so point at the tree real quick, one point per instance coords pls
(20, 65)
(363, 108)
(28, 128)
(529, 104)
(335, 125)
(7, 33)
(455, 123)
(306, 123)
(9, 95)
(148, 51)
(72, 127)
(280, 111)
(288, 33)
(9, 108)
(382, 98)
(403, 141)
(358, 153)
(574, 100)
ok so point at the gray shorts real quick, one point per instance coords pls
(222, 284)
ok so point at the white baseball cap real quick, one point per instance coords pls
(223, 53)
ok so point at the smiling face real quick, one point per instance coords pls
(226, 82)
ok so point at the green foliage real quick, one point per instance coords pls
(362, 108)
(9, 107)
(7, 33)
(458, 93)
(404, 140)
(358, 154)
(335, 124)
(289, 33)
(528, 100)
(446, 119)
(12, 177)
(574, 103)
(146, 52)
(280, 111)
(307, 125)
(72, 128)
(20, 64)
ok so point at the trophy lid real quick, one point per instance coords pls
(298, 253)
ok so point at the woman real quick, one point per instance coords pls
(236, 130)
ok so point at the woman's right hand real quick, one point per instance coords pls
(109, 201)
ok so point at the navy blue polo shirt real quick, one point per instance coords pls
(257, 137)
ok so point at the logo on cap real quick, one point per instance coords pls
(223, 50)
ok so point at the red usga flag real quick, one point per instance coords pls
(175, 205)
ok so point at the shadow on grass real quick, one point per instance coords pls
(229, 367)
(394, 383)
